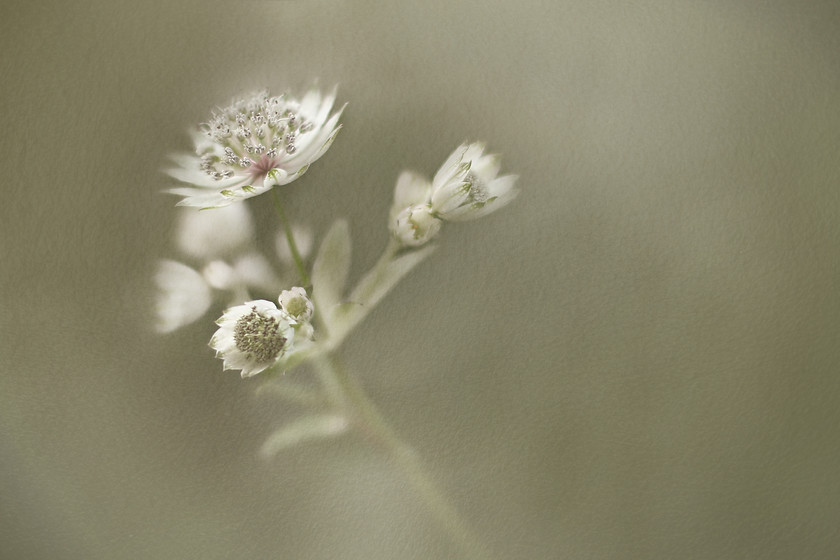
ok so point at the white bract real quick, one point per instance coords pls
(467, 186)
(253, 336)
(253, 145)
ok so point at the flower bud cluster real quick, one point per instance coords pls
(263, 141)
(466, 187)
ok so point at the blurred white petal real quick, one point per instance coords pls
(208, 234)
(183, 296)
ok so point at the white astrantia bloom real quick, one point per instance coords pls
(297, 304)
(253, 336)
(467, 186)
(255, 144)
(183, 296)
(209, 235)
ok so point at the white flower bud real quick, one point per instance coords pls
(415, 225)
(297, 304)
(411, 189)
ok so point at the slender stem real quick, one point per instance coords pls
(290, 238)
(362, 410)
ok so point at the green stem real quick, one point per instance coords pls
(290, 239)
(349, 396)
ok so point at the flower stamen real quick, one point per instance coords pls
(258, 336)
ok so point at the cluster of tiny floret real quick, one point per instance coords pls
(475, 190)
(253, 133)
(258, 336)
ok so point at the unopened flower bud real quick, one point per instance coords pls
(415, 225)
(297, 304)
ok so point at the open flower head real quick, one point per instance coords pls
(253, 336)
(467, 186)
(255, 144)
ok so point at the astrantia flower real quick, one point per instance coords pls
(253, 336)
(467, 187)
(253, 145)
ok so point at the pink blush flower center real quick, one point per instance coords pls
(260, 169)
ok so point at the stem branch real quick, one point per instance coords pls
(350, 397)
(290, 238)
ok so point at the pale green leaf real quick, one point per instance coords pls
(329, 272)
(308, 428)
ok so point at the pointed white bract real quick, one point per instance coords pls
(255, 144)
(467, 186)
(253, 336)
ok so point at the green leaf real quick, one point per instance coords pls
(371, 289)
(329, 272)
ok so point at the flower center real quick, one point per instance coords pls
(477, 190)
(258, 337)
(254, 134)
(296, 307)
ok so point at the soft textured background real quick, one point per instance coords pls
(638, 359)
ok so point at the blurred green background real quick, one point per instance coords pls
(637, 359)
